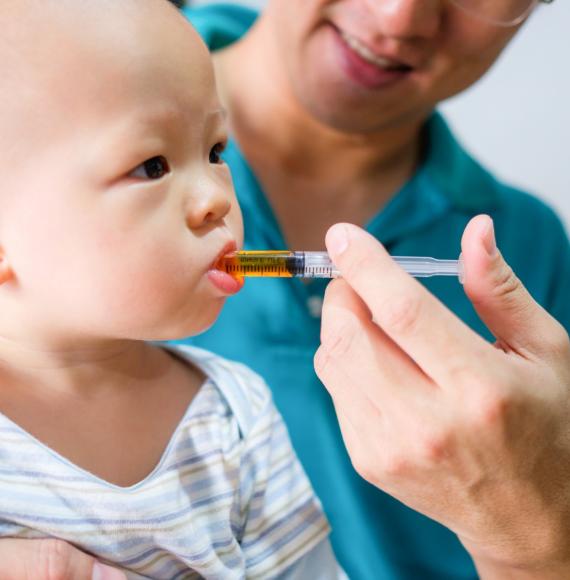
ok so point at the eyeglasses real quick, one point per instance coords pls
(499, 12)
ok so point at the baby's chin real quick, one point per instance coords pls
(181, 329)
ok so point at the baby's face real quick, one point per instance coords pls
(118, 203)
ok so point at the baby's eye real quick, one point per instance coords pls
(216, 153)
(153, 168)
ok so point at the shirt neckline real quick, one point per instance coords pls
(192, 408)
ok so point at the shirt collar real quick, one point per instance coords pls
(448, 179)
(220, 24)
(455, 173)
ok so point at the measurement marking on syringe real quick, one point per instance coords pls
(286, 264)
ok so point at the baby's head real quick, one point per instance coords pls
(114, 203)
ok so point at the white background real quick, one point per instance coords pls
(517, 118)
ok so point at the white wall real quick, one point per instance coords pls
(516, 120)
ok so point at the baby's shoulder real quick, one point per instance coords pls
(243, 391)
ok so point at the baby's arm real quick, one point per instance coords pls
(284, 533)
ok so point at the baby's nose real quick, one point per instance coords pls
(209, 206)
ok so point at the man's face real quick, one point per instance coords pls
(117, 203)
(363, 65)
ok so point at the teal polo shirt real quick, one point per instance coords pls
(273, 326)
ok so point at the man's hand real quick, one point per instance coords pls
(50, 560)
(474, 435)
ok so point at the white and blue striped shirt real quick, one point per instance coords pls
(227, 500)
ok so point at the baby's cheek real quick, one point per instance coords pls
(144, 282)
(150, 291)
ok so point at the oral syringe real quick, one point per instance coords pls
(287, 264)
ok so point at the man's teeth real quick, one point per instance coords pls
(368, 55)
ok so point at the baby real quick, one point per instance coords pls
(114, 207)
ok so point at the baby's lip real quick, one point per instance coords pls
(231, 246)
(227, 283)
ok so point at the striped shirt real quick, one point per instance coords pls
(227, 500)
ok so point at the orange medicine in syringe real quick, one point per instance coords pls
(288, 264)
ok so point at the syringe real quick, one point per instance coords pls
(287, 264)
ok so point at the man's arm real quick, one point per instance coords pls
(50, 559)
(473, 435)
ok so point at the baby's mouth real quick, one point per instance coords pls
(229, 248)
(366, 54)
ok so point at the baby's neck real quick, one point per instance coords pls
(111, 412)
(76, 368)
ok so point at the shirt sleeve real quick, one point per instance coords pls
(282, 518)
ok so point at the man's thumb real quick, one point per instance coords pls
(518, 323)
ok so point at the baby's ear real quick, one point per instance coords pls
(6, 272)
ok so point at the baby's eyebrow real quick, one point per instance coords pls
(171, 114)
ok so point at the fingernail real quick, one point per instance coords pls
(337, 239)
(489, 242)
(461, 269)
(102, 572)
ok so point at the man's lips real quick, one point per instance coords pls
(367, 69)
(384, 61)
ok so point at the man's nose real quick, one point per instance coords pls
(206, 205)
(406, 19)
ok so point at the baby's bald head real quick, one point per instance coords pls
(60, 55)
(39, 30)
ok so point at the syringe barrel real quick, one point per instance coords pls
(318, 265)
(301, 264)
